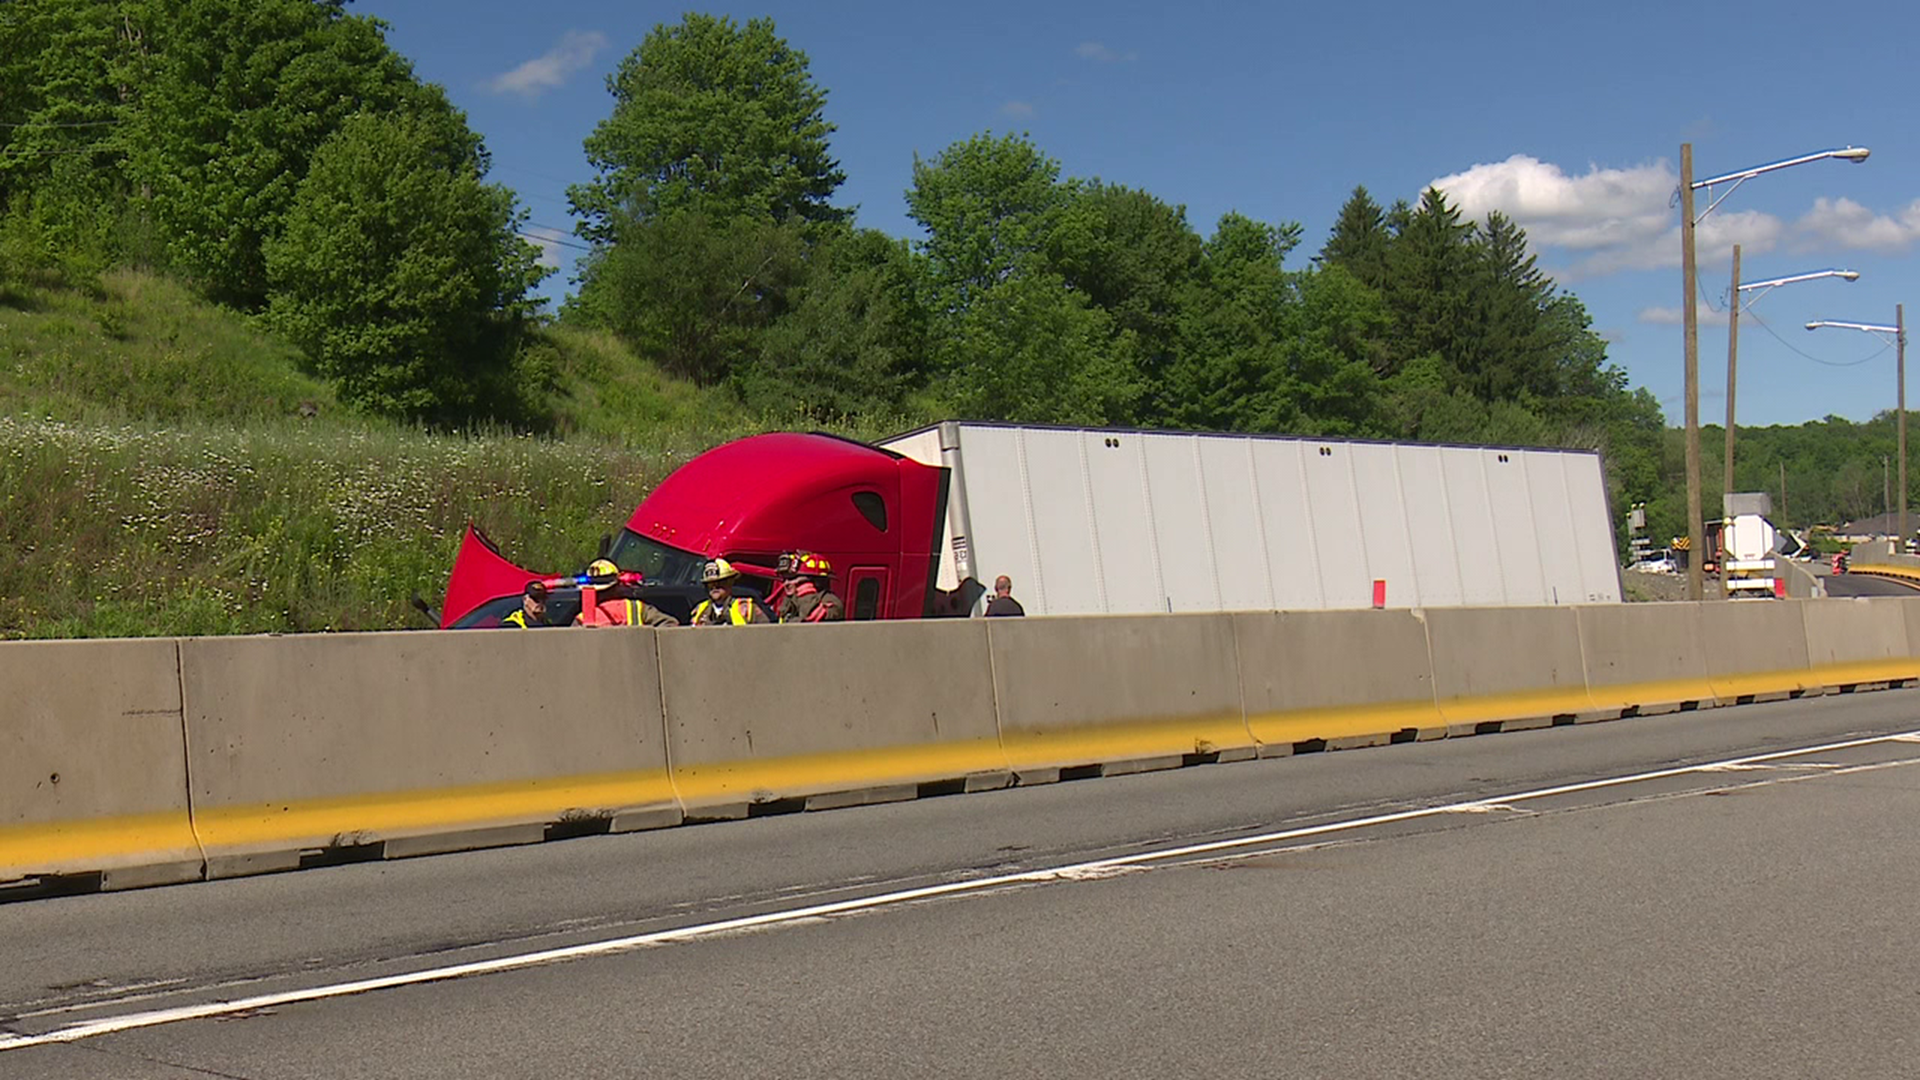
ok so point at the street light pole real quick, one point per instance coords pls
(1733, 335)
(1733, 351)
(1689, 315)
(1899, 332)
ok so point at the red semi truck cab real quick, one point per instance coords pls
(877, 516)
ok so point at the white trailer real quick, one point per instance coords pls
(1108, 522)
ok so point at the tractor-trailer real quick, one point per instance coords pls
(1092, 521)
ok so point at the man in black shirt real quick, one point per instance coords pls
(1003, 602)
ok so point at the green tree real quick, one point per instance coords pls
(399, 270)
(241, 95)
(1428, 282)
(853, 343)
(1334, 337)
(989, 207)
(1013, 339)
(714, 117)
(1230, 372)
(1359, 240)
(1032, 350)
(694, 292)
(1135, 258)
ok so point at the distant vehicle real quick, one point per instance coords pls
(1748, 541)
(1657, 562)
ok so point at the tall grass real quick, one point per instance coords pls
(146, 347)
(138, 530)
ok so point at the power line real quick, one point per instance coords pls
(1875, 355)
(556, 241)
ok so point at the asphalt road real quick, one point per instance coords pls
(1438, 909)
(1866, 585)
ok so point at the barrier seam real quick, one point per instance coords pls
(1239, 681)
(666, 735)
(1433, 670)
(186, 754)
(993, 686)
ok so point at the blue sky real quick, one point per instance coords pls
(1569, 118)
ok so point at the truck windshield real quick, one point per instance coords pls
(662, 564)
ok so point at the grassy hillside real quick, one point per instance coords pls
(145, 348)
(166, 467)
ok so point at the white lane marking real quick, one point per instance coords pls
(1485, 808)
(815, 912)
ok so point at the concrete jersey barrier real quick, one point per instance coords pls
(1335, 679)
(1644, 658)
(150, 761)
(1511, 666)
(418, 741)
(93, 773)
(1117, 693)
(760, 714)
(1858, 641)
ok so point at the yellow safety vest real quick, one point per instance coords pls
(739, 612)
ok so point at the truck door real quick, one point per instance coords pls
(867, 592)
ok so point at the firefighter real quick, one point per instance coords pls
(807, 599)
(616, 605)
(533, 608)
(721, 607)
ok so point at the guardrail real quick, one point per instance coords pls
(147, 762)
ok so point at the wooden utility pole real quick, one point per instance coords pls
(1783, 494)
(1900, 365)
(1733, 350)
(1690, 315)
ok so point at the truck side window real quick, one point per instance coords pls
(866, 599)
(872, 507)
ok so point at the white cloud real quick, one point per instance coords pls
(1673, 316)
(575, 52)
(1845, 224)
(1099, 53)
(1017, 108)
(1615, 219)
(547, 240)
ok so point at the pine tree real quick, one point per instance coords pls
(1359, 241)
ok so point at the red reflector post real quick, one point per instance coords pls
(1379, 592)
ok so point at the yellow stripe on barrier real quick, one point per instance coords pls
(1901, 572)
(95, 844)
(1124, 740)
(1866, 671)
(1305, 725)
(747, 779)
(1652, 694)
(365, 818)
(1525, 705)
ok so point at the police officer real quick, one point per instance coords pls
(807, 599)
(615, 603)
(721, 607)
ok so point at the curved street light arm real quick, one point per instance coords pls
(1892, 332)
(1854, 154)
(1771, 284)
